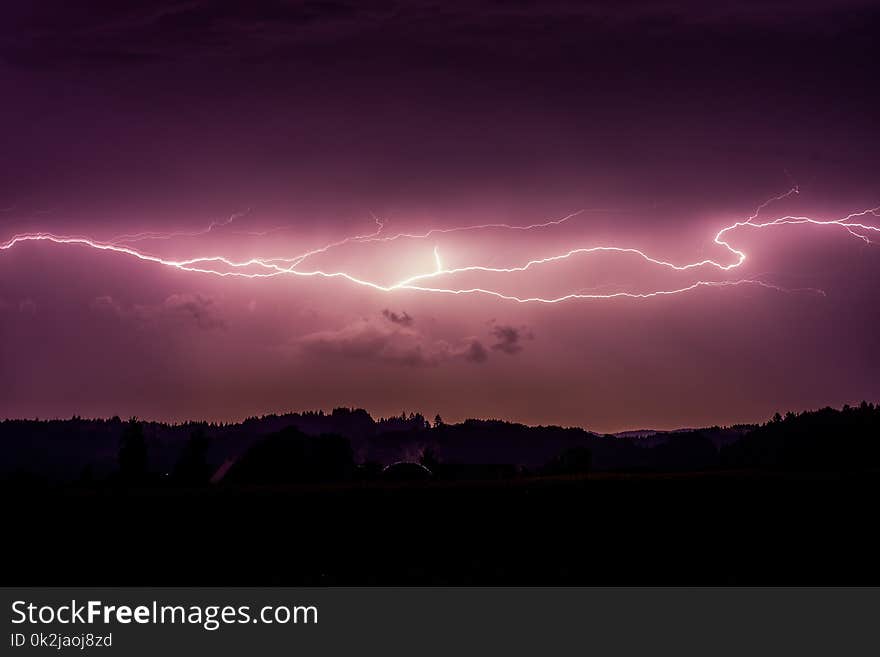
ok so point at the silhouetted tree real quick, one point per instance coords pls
(429, 459)
(438, 421)
(192, 466)
(133, 452)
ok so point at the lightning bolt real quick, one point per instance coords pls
(150, 235)
(254, 268)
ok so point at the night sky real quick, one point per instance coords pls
(160, 132)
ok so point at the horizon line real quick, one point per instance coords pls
(378, 418)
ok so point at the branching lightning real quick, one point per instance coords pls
(255, 268)
(151, 235)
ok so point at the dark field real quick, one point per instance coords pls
(697, 528)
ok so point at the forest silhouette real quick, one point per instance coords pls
(341, 498)
(349, 445)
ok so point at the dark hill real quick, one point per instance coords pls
(825, 440)
(291, 456)
(67, 450)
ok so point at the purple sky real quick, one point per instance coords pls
(663, 122)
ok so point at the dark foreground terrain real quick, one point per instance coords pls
(284, 500)
(695, 528)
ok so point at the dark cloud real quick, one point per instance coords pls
(509, 338)
(200, 309)
(475, 352)
(366, 339)
(395, 343)
(183, 308)
(404, 318)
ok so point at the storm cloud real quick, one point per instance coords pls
(396, 343)
(508, 339)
